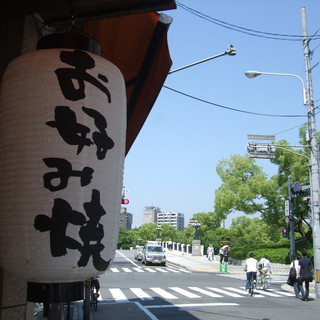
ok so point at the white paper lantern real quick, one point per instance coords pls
(62, 142)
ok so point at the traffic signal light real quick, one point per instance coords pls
(298, 190)
(285, 232)
(125, 201)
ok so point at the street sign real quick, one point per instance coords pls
(286, 207)
(297, 186)
(287, 220)
(261, 137)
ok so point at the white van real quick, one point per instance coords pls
(153, 253)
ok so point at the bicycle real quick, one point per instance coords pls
(252, 285)
(93, 299)
(263, 281)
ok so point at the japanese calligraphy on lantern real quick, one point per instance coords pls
(62, 140)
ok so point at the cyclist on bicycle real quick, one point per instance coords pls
(251, 267)
(95, 284)
(264, 268)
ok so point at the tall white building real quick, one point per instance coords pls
(150, 214)
(175, 219)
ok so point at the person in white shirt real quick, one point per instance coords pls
(251, 267)
(296, 283)
(210, 252)
(264, 268)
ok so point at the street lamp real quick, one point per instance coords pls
(231, 51)
(308, 100)
(158, 234)
(196, 234)
(253, 74)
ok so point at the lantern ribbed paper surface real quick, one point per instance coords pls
(62, 140)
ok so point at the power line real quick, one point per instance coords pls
(252, 32)
(233, 109)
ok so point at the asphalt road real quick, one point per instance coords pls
(129, 290)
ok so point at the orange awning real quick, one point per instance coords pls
(137, 44)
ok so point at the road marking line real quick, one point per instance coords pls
(141, 294)
(173, 270)
(123, 256)
(242, 291)
(149, 269)
(268, 293)
(185, 292)
(114, 270)
(126, 270)
(163, 293)
(146, 311)
(162, 270)
(118, 295)
(206, 292)
(235, 295)
(138, 269)
(188, 305)
(284, 293)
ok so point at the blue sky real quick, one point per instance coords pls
(172, 164)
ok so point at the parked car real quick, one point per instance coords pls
(138, 253)
(153, 254)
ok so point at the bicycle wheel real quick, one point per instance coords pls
(267, 282)
(259, 282)
(93, 301)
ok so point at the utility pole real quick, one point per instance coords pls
(314, 156)
(291, 222)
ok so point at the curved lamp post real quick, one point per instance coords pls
(253, 74)
(308, 101)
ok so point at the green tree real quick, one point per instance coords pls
(169, 232)
(147, 232)
(246, 188)
(246, 231)
(126, 238)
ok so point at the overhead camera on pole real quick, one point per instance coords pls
(261, 150)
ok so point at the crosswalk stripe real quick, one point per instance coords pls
(162, 270)
(268, 293)
(138, 269)
(163, 293)
(121, 295)
(126, 270)
(185, 292)
(114, 270)
(141, 294)
(242, 291)
(185, 271)
(206, 292)
(117, 294)
(149, 269)
(173, 270)
(284, 293)
(231, 294)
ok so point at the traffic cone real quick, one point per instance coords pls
(220, 270)
(225, 267)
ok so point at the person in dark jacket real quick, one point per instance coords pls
(305, 264)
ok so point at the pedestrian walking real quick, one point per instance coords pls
(210, 252)
(294, 275)
(305, 274)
